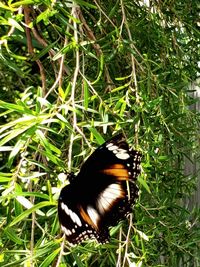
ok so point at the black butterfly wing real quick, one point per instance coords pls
(99, 196)
(73, 224)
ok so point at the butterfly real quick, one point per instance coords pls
(101, 194)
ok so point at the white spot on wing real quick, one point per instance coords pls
(113, 147)
(94, 216)
(110, 144)
(122, 155)
(108, 196)
(66, 231)
(74, 217)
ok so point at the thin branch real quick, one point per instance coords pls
(91, 36)
(127, 239)
(27, 12)
(133, 60)
(61, 252)
(75, 14)
(99, 7)
(119, 258)
(60, 73)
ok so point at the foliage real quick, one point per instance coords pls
(72, 74)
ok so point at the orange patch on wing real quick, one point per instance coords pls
(87, 218)
(118, 171)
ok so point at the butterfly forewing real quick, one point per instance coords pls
(101, 194)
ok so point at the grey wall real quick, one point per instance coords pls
(192, 166)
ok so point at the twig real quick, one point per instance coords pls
(75, 14)
(133, 60)
(27, 12)
(99, 7)
(61, 252)
(127, 239)
(119, 258)
(96, 46)
(60, 73)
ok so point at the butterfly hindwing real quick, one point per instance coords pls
(73, 223)
(101, 194)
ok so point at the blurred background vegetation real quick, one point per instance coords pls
(72, 74)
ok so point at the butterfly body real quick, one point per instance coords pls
(98, 197)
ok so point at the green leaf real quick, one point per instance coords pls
(26, 213)
(47, 262)
(31, 194)
(77, 259)
(143, 183)
(86, 4)
(13, 236)
(24, 2)
(120, 88)
(11, 107)
(97, 135)
(100, 69)
(7, 7)
(86, 95)
(47, 145)
(9, 64)
(5, 177)
(11, 135)
(20, 144)
(27, 204)
(14, 23)
(44, 51)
